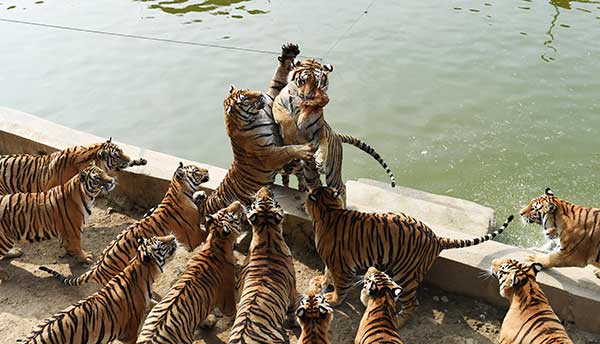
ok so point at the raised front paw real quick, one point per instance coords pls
(320, 282)
(534, 258)
(289, 51)
(138, 162)
(306, 152)
(333, 299)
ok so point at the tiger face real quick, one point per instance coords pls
(94, 180)
(512, 273)
(226, 222)
(265, 209)
(541, 211)
(314, 308)
(242, 105)
(378, 284)
(323, 198)
(191, 177)
(111, 157)
(157, 250)
(310, 76)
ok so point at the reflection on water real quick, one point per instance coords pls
(230, 8)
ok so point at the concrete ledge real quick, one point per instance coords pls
(573, 292)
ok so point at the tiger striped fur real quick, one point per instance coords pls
(258, 154)
(179, 213)
(30, 173)
(380, 295)
(60, 212)
(530, 318)
(350, 241)
(208, 282)
(116, 311)
(268, 282)
(314, 316)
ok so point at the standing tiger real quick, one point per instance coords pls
(116, 311)
(350, 241)
(298, 111)
(575, 227)
(268, 281)
(380, 295)
(314, 316)
(30, 173)
(181, 212)
(60, 213)
(530, 318)
(208, 282)
(258, 154)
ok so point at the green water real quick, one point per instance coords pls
(490, 101)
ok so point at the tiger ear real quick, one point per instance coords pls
(231, 88)
(109, 140)
(537, 267)
(373, 290)
(551, 207)
(549, 192)
(328, 67)
(336, 194)
(397, 292)
(313, 197)
(323, 310)
(208, 219)
(102, 154)
(180, 173)
(228, 110)
(82, 175)
(300, 312)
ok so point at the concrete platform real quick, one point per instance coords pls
(573, 292)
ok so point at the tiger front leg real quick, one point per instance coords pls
(282, 155)
(342, 283)
(556, 259)
(321, 155)
(409, 304)
(138, 162)
(73, 248)
(289, 51)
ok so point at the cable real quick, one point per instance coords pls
(350, 28)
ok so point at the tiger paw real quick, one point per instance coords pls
(13, 253)
(534, 258)
(333, 299)
(305, 152)
(138, 162)
(86, 258)
(210, 322)
(289, 51)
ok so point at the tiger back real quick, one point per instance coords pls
(178, 213)
(314, 316)
(380, 295)
(208, 282)
(268, 282)
(58, 213)
(530, 318)
(37, 173)
(350, 241)
(116, 311)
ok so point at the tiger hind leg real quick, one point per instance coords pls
(13, 253)
(74, 249)
(408, 304)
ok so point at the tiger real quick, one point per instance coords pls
(298, 110)
(267, 280)
(208, 282)
(60, 213)
(380, 295)
(314, 316)
(116, 311)
(350, 241)
(530, 318)
(26, 173)
(181, 212)
(573, 225)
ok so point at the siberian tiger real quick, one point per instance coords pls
(116, 311)
(208, 282)
(575, 227)
(380, 295)
(314, 316)
(530, 318)
(30, 173)
(298, 111)
(350, 241)
(60, 213)
(268, 282)
(181, 212)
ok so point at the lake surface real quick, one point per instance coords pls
(491, 101)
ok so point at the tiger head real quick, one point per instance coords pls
(541, 211)
(310, 77)
(190, 179)
(111, 157)
(157, 250)
(241, 107)
(265, 210)
(512, 274)
(94, 180)
(314, 311)
(378, 284)
(322, 198)
(226, 223)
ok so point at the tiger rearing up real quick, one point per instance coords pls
(116, 311)
(181, 212)
(31, 173)
(575, 227)
(530, 318)
(380, 295)
(350, 241)
(60, 213)
(314, 316)
(268, 282)
(208, 282)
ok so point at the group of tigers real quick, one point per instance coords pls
(280, 132)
